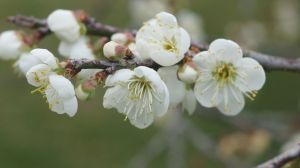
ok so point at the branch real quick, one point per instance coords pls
(282, 159)
(273, 63)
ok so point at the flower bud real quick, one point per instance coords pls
(122, 38)
(86, 90)
(114, 51)
(187, 73)
(10, 45)
(65, 25)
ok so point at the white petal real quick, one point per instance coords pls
(62, 85)
(25, 62)
(38, 75)
(64, 24)
(160, 108)
(204, 61)
(251, 75)
(166, 19)
(176, 88)
(143, 121)
(10, 45)
(207, 93)
(119, 76)
(142, 50)
(70, 106)
(81, 49)
(234, 104)
(226, 50)
(60, 105)
(185, 41)
(189, 102)
(165, 58)
(64, 49)
(45, 57)
(115, 97)
(55, 102)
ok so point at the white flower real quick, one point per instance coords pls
(10, 45)
(225, 76)
(35, 57)
(64, 24)
(60, 95)
(179, 92)
(139, 94)
(162, 40)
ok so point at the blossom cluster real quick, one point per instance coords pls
(219, 77)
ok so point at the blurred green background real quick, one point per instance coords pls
(31, 136)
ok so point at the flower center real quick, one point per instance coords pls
(138, 87)
(224, 72)
(140, 91)
(170, 45)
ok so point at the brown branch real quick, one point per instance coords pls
(274, 63)
(282, 159)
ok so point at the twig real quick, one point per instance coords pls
(282, 159)
(269, 62)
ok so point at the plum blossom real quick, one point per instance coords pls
(162, 40)
(140, 94)
(58, 90)
(225, 76)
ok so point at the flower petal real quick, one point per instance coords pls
(207, 93)
(62, 85)
(251, 75)
(64, 49)
(70, 106)
(189, 102)
(25, 62)
(165, 58)
(233, 104)
(185, 41)
(119, 76)
(226, 50)
(142, 121)
(176, 87)
(45, 57)
(160, 108)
